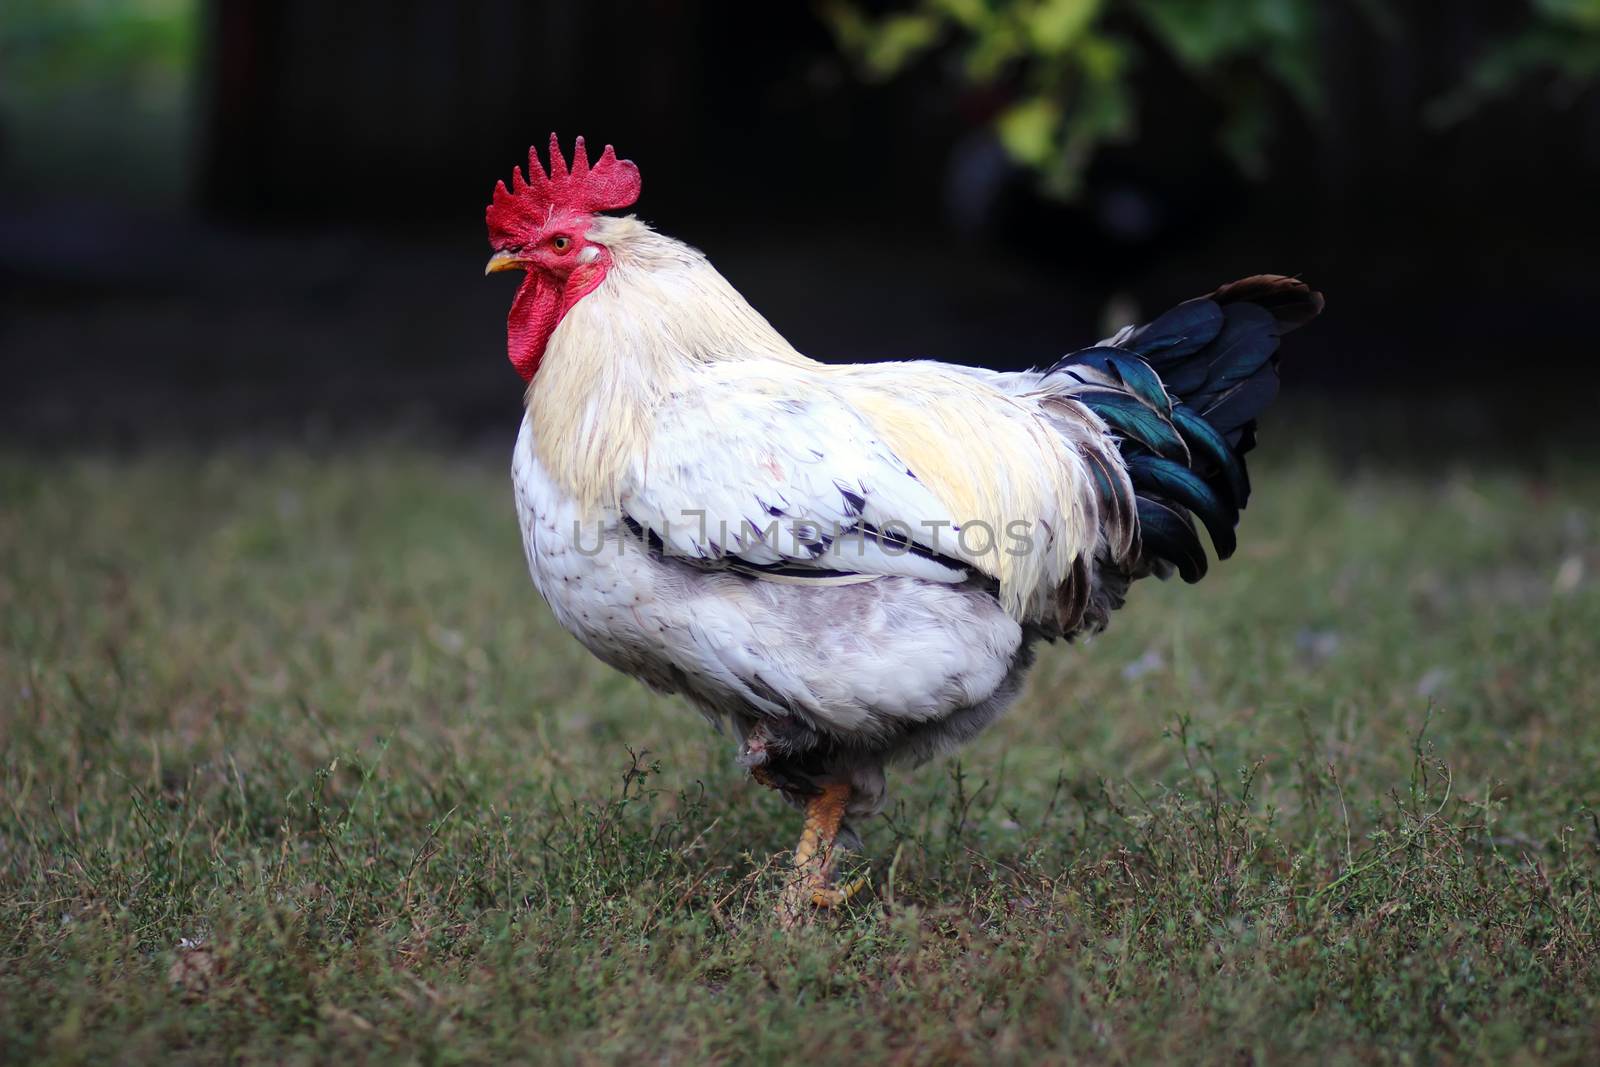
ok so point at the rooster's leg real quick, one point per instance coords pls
(812, 884)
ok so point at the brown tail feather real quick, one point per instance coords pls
(1292, 302)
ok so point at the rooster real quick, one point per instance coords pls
(849, 566)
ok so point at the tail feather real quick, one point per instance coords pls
(1128, 370)
(1234, 412)
(1183, 393)
(1247, 341)
(1174, 336)
(1167, 535)
(1292, 302)
(1180, 485)
(1131, 416)
(1213, 449)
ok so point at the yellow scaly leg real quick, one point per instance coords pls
(814, 858)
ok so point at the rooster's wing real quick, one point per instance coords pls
(761, 470)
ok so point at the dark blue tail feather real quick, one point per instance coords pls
(1183, 392)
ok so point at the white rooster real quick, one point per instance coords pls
(849, 565)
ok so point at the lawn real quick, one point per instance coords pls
(297, 768)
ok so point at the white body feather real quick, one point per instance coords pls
(667, 413)
(865, 659)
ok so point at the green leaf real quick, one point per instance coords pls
(1054, 26)
(999, 44)
(886, 47)
(899, 39)
(1104, 59)
(970, 14)
(1200, 33)
(1030, 129)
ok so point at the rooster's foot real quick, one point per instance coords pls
(812, 884)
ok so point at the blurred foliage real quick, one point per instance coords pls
(86, 80)
(1067, 66)
(1071, 62)
(1562, 41)
(51, 46)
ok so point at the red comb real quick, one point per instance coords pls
(530, 203)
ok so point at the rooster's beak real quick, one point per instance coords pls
(503, 261)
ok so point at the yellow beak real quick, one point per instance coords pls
(503, 261)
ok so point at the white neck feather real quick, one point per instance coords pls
(661, 311)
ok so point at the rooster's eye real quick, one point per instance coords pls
(561, 244)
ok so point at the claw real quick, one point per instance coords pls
(814, 857)
(833, 896)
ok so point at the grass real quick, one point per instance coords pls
(296, 768)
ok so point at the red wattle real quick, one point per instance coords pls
(538, 309)
(533, 318)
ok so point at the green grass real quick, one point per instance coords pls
(297, 768)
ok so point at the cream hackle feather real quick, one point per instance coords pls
(663, 315)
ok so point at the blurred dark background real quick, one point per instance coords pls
(244, 220)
